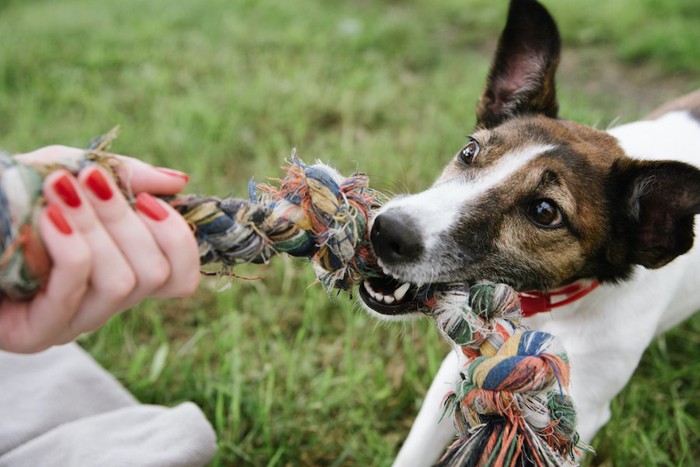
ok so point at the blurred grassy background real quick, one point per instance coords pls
(224, 89)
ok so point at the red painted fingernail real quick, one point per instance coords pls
(148, 205)
(65, 189)
(98, 185)
(57, 219)
(174, 173)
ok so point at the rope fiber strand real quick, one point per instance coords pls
(511, 407)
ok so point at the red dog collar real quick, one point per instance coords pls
(539, 302)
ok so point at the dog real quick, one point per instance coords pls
(596, 223)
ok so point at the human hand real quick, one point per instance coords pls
(106, 256)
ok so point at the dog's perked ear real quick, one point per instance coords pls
(659, 201)
(521, 80)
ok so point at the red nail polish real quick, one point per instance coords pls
(174, 173)
(57, 219)
(98, 185)
(65, 189)
(148, 205)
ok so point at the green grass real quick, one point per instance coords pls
(224, 89)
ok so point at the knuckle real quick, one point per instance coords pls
(78, 259)
(120, 285)
(157, 274)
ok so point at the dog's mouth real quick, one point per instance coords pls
(391, 297)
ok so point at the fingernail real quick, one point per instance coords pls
(174, 173)
(148, 205)
(98, 185)
(65, 189)
(57, 219)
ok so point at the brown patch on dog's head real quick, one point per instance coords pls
(501, 239)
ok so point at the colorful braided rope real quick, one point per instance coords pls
(313, 213)
(511, 407)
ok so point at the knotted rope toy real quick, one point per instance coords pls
(313, 213)
(511, 407)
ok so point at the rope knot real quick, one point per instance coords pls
(512, 395)
(335, 212)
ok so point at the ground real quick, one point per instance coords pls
(224, 90)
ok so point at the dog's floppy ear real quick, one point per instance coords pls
(521, 80)
(659, 200)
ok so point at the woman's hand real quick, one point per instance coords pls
(106, 256)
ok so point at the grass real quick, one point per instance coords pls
(224, 90)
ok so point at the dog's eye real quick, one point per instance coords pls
(545, 213)
(469, 152)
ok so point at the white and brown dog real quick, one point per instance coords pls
(540, 203)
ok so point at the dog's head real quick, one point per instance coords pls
(531, 200)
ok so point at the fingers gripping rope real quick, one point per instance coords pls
(511, 407)
(314, 213)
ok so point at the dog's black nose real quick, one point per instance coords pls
(395, 237)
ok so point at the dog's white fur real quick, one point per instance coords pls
(606, 332)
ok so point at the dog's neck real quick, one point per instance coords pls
(543, 301)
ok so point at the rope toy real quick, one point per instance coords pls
(512, 405)
(313, 213)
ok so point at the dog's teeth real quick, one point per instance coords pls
(369, 290)
(400, 293)
(388, 298)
